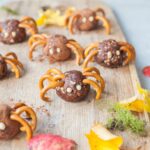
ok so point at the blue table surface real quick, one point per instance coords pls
(134, 18)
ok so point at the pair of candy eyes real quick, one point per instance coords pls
(78, 87)
(51, 50)
(84, 19)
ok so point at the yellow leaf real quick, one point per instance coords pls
(54, 17)
(138, 103)
(101, 139)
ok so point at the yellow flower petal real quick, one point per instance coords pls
(138, 103)
(101, 139)
(54, 17)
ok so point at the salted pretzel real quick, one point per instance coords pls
(15, 31)
(29, 24)
(55, 47)
(12, 121)
(26, 126)
(109, 53)
(12, 60)
(72, 85)
(88, 19)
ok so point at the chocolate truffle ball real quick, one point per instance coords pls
(110, 55)
(56, 49)
(3, 67)
(11, 33)
(87, 20)
(8, 128)
(73, 90)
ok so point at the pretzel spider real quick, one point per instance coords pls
(55, 47)
(11, 121)
(72, 86)
(87, 19)
(12, 60)
(14, 31)
(109, 53)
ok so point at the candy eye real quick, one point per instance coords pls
(69, 90)
(78, 87)
(2, 126)
(58, 50)
(91, 18)
(84, 19)
(51, 51)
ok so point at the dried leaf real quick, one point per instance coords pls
(138, 103)
(101, 139)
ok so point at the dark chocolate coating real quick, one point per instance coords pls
(11, 32)
(12, 127)
(3, 68)
(77, 90)
(86, 14)
(109, 54)
(56, 49)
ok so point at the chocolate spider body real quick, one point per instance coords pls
(110, 53)
(87, 22)
(3, 67)
(74, 89)
(14, 31)
(11, 121)
(88, 19)
(8, 128)
(12, 60)
(55, 47)
(72, 86)
(11, 32)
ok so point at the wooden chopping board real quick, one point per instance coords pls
(66, 119)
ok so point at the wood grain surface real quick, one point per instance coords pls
(66, 119)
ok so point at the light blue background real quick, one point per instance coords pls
(134, 17)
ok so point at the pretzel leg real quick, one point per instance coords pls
(14, 67)
(30, 112)
(129, 47)
(89, 58)
(13, 55)
(52, 85)
(95, 86)
(72, 20)
(105, 22)
(33, 47)
(91, 69)
(97, 77)
(16, 62)
(25, 124)
(77, 52)
(101, 11)
(54, 71)
(35, 38)
(50, 78)
(90, 48)
(25, 21)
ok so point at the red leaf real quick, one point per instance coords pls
(146, 71)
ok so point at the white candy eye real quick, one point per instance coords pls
(118, 52)
(84, 19)
(13, 34)
(109, 55)
(2, 126)
(69, 90)
(6, 34)
(78, 87)
(58, 50)
(91, 18)
(51, 51)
